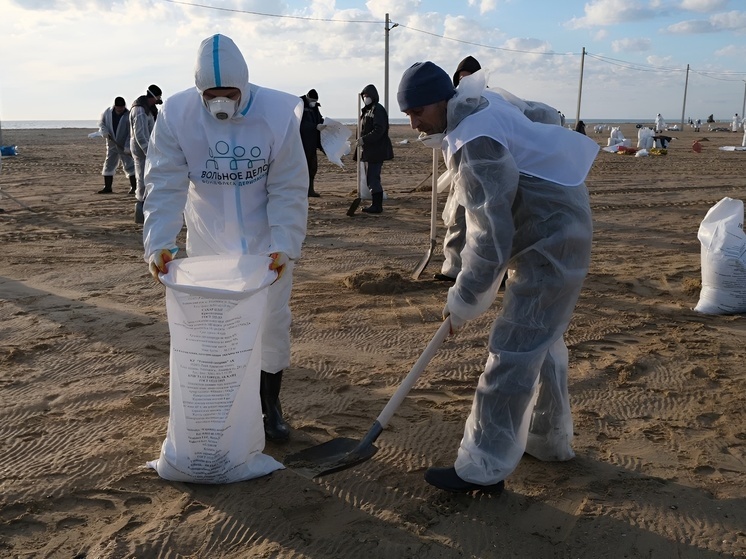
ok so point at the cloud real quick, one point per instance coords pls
(737, 51)
(610, 12)
(640, 44)
(601, 35)
(726, 21)
(484, 5)
(703, 5)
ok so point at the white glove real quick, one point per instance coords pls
(158, 262)
(279, 261)
(456, 321)
(353, 145)
(320, 127)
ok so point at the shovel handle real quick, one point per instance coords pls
(414, 374)
(434, 199)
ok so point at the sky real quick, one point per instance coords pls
(69, 59)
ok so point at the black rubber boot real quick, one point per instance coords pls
(133, 184)
(139, 215)
(275, 427)
(311, 192)
(376, 207)
(108, 181)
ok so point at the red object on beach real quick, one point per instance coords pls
(696, 146)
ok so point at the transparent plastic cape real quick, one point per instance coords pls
(541, 231)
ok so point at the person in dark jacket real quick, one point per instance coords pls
(466, 67)
(311, 125)
(375, 143)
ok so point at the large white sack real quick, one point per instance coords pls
(216, 306)
(723, 255)
(334, 141)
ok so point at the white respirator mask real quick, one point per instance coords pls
(312, 104)
(221, 108)
(367, 101)
(433, 141)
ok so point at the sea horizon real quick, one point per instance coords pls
(93, 124)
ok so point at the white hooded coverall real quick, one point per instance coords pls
(527, 209)
(117, 143)
(142, 123)
(239, 184)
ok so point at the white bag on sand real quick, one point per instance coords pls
(645, 138)
(216, 306)
(723, 254)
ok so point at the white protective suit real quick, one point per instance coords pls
(453, 214)
(660, 124)
(527, 209)
(240, 184)
(117, 143)
(142, 123)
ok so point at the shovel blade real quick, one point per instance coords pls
(424, 262)
(353, 207)
(329, 457)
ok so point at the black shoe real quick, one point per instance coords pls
(447, 479)
(314, 194)
(443, 277)
(105, 191)
(132, 191)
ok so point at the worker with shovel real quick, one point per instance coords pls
(527, 209)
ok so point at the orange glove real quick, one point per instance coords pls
(456, 321)
(279, 261)
(158, 261)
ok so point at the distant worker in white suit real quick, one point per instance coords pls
(143, 115)
(115, 127)
(226, 157)
(734, 123)
(660, 124)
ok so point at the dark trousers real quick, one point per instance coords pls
(373, 175)
(313, 166)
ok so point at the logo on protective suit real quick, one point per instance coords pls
(232, 166)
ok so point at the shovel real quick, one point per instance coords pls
(433, 210)
(342, 453)
(356, 202)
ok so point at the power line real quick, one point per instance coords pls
(650, 68)
(606, 59)
(487, 46)
(633, 65)
(283, 16)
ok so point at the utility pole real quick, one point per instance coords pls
(386, 66)
(686, 85)
(580, 88)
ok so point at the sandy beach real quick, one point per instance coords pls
(658, 391)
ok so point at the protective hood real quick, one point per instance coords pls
(221, 64)
(370, 91)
